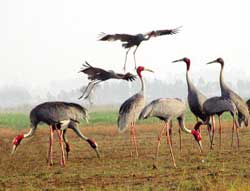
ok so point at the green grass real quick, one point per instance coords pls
(14, 120)
(21, 120)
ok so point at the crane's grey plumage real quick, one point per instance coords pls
(167, 109)
(226, 92)
(135, 40)
(97, 75)
(217, 106)
(195, 97)
(131, 109)
(59, 116)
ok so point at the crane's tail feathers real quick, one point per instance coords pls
(145, 113)
(122, 123)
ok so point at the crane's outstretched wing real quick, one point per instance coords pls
(113, 37)
(93, 72)
(97, 75)
(128, 76)
(164, 32)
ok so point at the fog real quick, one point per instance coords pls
(44, 43)
(110, 93)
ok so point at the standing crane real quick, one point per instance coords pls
(217, 106)
(59, 116)
(195, 98)
(135, 40)
(97, 75)
(166, 110)
(131, 109)
(226, 92)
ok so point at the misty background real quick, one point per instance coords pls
(18, 98)
(44, 43)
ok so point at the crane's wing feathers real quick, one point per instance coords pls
(130, 110)
(128, 105)
(93, 72)
(167, 31)
(128, 76)
(113, 37)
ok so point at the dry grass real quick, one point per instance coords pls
(225, 169)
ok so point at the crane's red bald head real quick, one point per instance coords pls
(187, 60)
(139, 70)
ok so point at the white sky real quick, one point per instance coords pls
(48, 40)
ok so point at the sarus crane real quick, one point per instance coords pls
(226, 92)
(59, 116)
(97, 75)
(131, 109)
(167, 109)
(195, 98)
(135, 40)
(217, 106)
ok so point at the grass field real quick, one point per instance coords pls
(225, 169)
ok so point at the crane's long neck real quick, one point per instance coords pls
(78, 132)
(142, 85)
(223, 85)
(31, 132)
(189, 82)
(182, 125)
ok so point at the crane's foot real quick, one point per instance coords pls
(155, 166)
(62, 163)
(175, 165)
(50, 163)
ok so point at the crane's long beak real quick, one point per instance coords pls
(177, 60)
(200, 145)
(214, 61)
(146, 69)
(13, 149)
(97, 152)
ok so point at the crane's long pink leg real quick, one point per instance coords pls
(170, 134)
(159, 140)
(170, 146)
(220, 129)
(126, 55)
(232, 134)
(180, 137)
(51, 141)
(238, 138)
(59, 133)
(134, 137)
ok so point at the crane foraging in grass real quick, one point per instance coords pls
(135, 40)
(226, 92)
(131, 109)
(167, 109)
(59, 116)
(97, 75)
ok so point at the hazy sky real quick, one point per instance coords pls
(45, 42)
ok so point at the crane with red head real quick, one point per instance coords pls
(131, 109)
